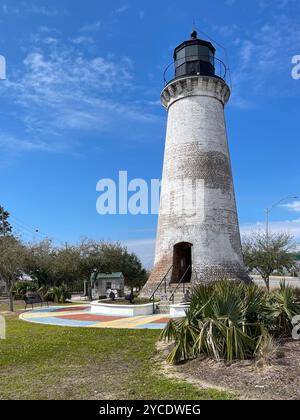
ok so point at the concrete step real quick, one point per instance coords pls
(163, 309)
(164, 304)
(176, 297)
(170, 302)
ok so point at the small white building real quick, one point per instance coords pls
(105, 283)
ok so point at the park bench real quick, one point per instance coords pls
(32, 298)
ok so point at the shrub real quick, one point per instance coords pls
(267, 350)
(58, 294)
(21, 287)
(283, 306)
(230, 321)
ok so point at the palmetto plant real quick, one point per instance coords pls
(21, 287)
(283, 306)
(225, 321)
(58, 294)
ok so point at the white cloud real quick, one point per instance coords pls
(29, 8)
(46, 29)
(225, 30)
(280, 4)
(295, 206)
(92, 27)
(262, 62)
(144, 248)
(41, 10)
(84, 40)
(59, 88)
(13, 144)
(263, 4)
(246, 52)
(50, 40)
(121, 9)
(8, 10)
(289, 226)
(63, 82)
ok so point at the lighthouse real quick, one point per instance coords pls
(198, 238)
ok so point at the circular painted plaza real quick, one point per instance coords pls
(81, 316)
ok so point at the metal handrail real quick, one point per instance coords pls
(223, 68)
(172, 297)
(158, 287)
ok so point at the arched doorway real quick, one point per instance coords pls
(182, 263)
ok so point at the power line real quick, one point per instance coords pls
(32, 232)
(25, 232)
(29, 230)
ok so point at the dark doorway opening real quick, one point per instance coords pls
(182, 263)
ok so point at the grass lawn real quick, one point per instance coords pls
(46, 362)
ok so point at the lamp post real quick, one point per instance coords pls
(268, 211)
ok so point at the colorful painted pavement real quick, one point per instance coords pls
(81, 316)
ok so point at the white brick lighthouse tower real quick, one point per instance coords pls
(198, 237)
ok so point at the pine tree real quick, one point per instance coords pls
(5, 226)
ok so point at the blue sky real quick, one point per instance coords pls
(81, 103)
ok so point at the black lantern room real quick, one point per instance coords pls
(194, 58)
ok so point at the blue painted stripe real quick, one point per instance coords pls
(59, 321)
(151, 327)
(59, 309)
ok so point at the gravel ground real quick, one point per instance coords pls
(247, 380)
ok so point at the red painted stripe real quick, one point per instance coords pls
(161, 321)
(71, 308)
(91, 317)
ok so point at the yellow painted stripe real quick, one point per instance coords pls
(128, 322)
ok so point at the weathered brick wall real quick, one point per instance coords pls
(197, 155)
(159, 271)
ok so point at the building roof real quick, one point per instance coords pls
(117, 275)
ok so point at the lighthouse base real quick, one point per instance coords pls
(161, 278)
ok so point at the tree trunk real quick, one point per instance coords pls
(90, 292)
(267, 282)
(11, 301)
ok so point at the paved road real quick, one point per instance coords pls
(275, 281)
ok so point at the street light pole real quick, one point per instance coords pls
(267, 225)
(268, 211)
